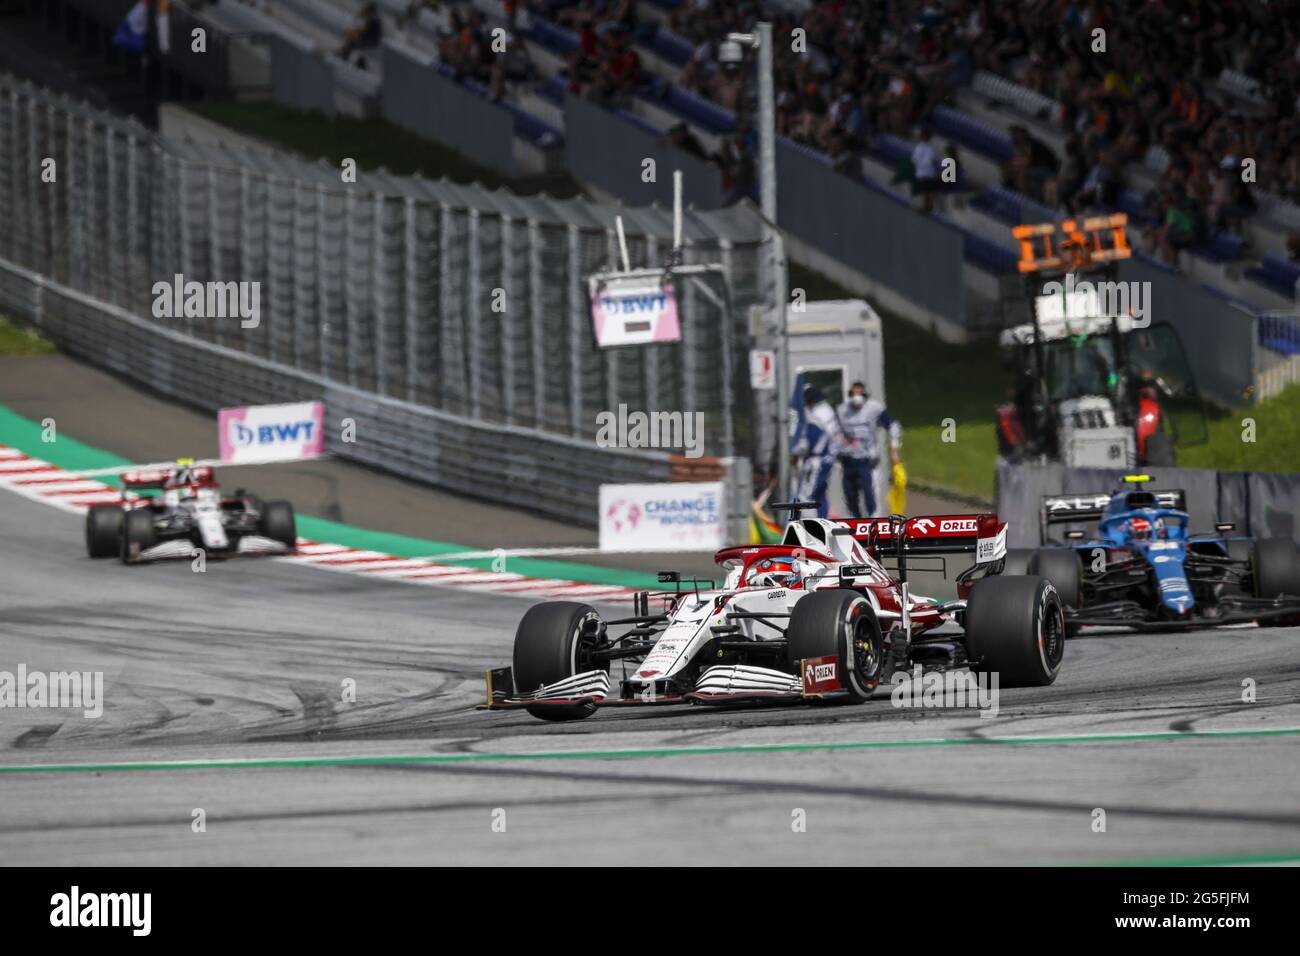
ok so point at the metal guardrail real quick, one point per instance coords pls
(444, 318)
(551, 474)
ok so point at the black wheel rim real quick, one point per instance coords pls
(1052, 635)
(867, 654)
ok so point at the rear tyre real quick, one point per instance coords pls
(1160, 450)
(839, 623)
(1277, 568)
(1016, 627)
(278, 524)
(554, 642)
(1063, 568)
(137, 534)
(1017, 561)
(104, 531)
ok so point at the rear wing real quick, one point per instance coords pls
(1089, 508)
(145, 479)
(982, 535)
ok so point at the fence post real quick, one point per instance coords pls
(504, 318)
(322, 267)
(446, 305)
(377, 297)
(690, 343)
(611, 355)
(727, 329)
(575, 331)
(535, 316)
(651, 352)
(133, 243)
(412, 303)
(473, 320)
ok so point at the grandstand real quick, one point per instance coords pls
(1041, 125)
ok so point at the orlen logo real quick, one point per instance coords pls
(244, 437)
(819, 673)
(961, 525)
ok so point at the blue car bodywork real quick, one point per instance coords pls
(1141, 566)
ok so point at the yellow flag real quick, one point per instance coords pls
(898, 490)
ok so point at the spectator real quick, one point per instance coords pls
(513, 66)
(365, 33)
(680, 137)
(1180, 228)
(925, 170)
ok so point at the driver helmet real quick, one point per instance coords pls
(1139, 528)
(777, 573)
(183, 475)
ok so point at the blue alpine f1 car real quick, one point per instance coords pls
(1143, 568)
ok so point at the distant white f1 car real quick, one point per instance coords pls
(189, 507)
(818, 617)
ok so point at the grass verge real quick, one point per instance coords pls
(18, 340)
(373, 143)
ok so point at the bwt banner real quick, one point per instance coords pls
(669, 517)
(256, 433)
(635, 312)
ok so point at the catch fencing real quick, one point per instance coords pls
(451, 318)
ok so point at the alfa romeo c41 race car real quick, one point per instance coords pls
(819, 617)
(189, 508)
(1144, 569)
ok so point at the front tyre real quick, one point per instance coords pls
(1015, 626)
(1277, 572)
(137, 534)
(839, 623)
(104, 531)
(277, 523)
(553, 642)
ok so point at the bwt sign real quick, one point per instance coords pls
(632, 312)
(258, 433)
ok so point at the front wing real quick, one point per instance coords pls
(818, 679)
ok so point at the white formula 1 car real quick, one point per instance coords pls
(825, 615)
(188, 509)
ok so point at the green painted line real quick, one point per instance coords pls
(382, 760)
(1247, 859)
(26, 435)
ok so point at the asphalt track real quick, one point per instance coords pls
(224, 693)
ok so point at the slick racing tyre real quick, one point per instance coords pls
(1277, 571)
(1016, 627)
(1017, 561)
(1062, 567)
(839, 623)
(104, 531)
(554, 641)
(278, 524)
(137, 534)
